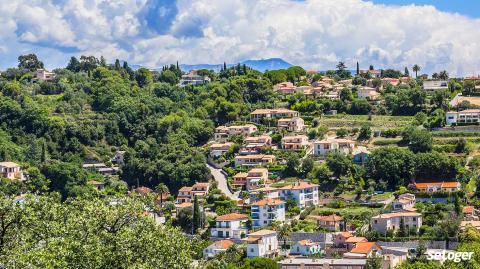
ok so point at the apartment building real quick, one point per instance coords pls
(391, 221)
(266, 211)
(295, 142)
(231, 225)
(304, 193)
(469, 116)
(295, 124)
(263, 243)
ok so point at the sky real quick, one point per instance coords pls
(316, 34)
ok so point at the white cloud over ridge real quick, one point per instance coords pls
(313, 33)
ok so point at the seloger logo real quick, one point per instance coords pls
(451, 256)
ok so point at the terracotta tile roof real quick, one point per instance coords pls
(468, 210)
(364, 247)
(232, 216)
(9, 164)
(184, 205)
(201, 184)
(185, 189)
(299, 186)
(143, 190)
(262, 232)
(329, 218)
(397, 214)
(346, 234)
(269, 201)
(355, 239)
(241, 174)
(306, 242)
(223, 244)
(448, 184)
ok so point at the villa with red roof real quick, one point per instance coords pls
(448, 186)
(364, 250)
(216, 248)
(332, 223)
(231, 225)
(324, 147)
(306, 248)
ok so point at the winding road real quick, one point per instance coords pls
(221, 179)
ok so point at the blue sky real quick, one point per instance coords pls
(466, 7)
(315, 34)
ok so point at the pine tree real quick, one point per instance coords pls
(117, 64)
(244, 69)
(407, 74)
(103, 62)
(224, 66)
(371, 67)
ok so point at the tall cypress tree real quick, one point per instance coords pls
(196, 218)
(358, 69)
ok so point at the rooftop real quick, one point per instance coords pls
(299, 186)
(364, 247)
(232, 216)
(269, 201)
(9, 164)
(397, 214)
(262, 233)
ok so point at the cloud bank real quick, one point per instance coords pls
(313, 33)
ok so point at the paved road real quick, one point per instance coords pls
(222, 182)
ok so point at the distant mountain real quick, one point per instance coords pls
(260, 65)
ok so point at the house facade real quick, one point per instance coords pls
(11, 170)
(225, 132)
(432, 85)
(306, 248)
(360, 155)
(469, 116)
(392, 221)
(44, 75)
(404, 201)
(332, 223)
(192, 78)
(266, 211)
(323, 147)
(259, 114)
(254, 160)
(295, 124)
(438, 186)
(218, 149)
(304, 193)
(231, 225)
(263, 243)
(294, 142)
(284, 87)
(253, 179)
(217, 248)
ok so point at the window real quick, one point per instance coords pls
(375, 221)
(251, 250)
(414, 219)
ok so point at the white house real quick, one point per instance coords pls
(263, 243)
(231, 225)
(295, 124)
(254, 160)
(216, 248)
(323, 147)
(218, 149)
(255, 178)
(432, 85)
(259, 114)
(225, 132)
(367, 92)
(306, 248)
(295, 142)
(11, 170)
(44, 75)
(266, 192)
(304, 193)
(463, 117)
(447, 186)
(391, 221)
(266, 211)
(192, 78)
(404, 201)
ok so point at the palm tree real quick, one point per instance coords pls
(416, 68)
(435, 75)
(341, 66)
(283, 233)
(161, 189)
(443, 75)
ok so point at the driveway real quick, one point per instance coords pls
(221, 179)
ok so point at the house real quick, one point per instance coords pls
(266, 211)
(294, 142)
(260, 114)
(372, 73)
(315, 263)
(43, 75)
(391, 81)
(304, 193)
(404, 201)
(364, 250)
(295, 124)
(231, 225)
(266, 192)
(11, 170)
(98, 185)
(254, 160)
(284, 87)
(438, 186)
(143, 190)
(200, 189)
(101, 168)
(262, 243)
(192, 78)
(218, 149)
(225, 132)
(253, 179)
(324, 147)
(432, 85)
(367, 92)
(360, 155)
(255, 144)
(184, 195)
(469, 213)
(182, 206)
(216, 248)
(353, 240)
(469, 116)
(332, 223)
(340, 238)
(392, 221)
(306, 248)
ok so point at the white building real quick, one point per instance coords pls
(304, 193)
(216, 248)
(463, 117)
(225, 132)
(263, 243)
(11, 170)
(391, 221)
(405, 201)
(432, 85)
(231, 225)
(295, 124)
(266, 211)
(324, 147)
(44, 75)
(295, 142)
(259, 114)
(266, 192)
(367, 92)
(306, 248)
(254, 160)
(218, 149)
(192, 78)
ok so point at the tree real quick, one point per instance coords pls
(161, 189)
(196, 218)
(169, 77)
(342, 132)
(358, 69)
(420, 141)
(74, 65)
(283, 234)
(365, 133)
(143, 77)
(443, 75)
(30, 62)
(415, 69)
(406, 73)
(374, 262)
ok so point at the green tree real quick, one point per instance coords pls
(161, 189)
(374, 262)
(415, 69)
(365, 133)
(30, 62)
(143, 77)
(420, 141)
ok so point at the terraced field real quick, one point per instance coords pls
(357, 121)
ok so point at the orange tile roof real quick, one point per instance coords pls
(468, 210)
(269, 201)
(143, 190)
(448, 184)
(355, 239)
(364, 247)
(346, 234)
(184, 205)
(329, 218)
(185, 189)
(299, 186)
(306, 242)
(231, 216)
(201, 184)
(240, 174)
(262, 232)
(224, 244)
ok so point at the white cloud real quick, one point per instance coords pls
(312, 33)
